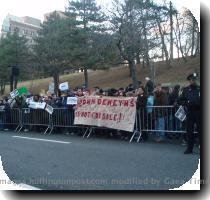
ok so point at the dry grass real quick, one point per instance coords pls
(119, 76)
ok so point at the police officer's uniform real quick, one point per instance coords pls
(190, 98)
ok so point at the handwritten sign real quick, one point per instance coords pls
(111, 112)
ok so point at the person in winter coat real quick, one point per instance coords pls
(141, 111)
(160, 112)
(149, 86)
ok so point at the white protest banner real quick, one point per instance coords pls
(14, 93)
(49, 109)
(37, 105)
(32, 105)
(180, 114)
(71, 100)
(64, 86)
(41, 105)
(111, 112)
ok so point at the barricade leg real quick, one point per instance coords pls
(134, 133)
(86, 132)
(140, 134)
(17, 127)
(90, 131)
(46, 130)
(20, 129)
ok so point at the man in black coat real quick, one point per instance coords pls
(190, 98)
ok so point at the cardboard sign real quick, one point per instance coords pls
(64, 86)
(49, 109)
(71, 101)
(181, 114)
(111, 112)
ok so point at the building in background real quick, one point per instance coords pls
(61, 14)
(25, 26)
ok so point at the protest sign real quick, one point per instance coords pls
(22, 90)
(71, 101)
(18, 92)
(37, 105)
(14, 93)
(64, 86)
(41, 105)
(32, 104)
(180, 114)
(111, 112)
(51, 87)
(49, 109)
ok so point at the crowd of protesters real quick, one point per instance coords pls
(147, 95)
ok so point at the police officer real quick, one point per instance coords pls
(190, 98)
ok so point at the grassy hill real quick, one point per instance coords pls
(119, 76)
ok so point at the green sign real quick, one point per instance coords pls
(22, 90)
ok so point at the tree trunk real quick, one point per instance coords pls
(179, 41)
(11, 82)
(2, 88)
(163, 44)
(143, 63)
(146, 52)
(130, 71)
(132, 66)
(137, 58)
(15, 82)
(86, 77)
(171, 33)
(56, 82)
(193, 36)
(197, 52)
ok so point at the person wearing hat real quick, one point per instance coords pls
(190, 98)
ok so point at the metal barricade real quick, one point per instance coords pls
(64, 117)
(154, 119)
(9, 118)
(158, 119)
(34, 118)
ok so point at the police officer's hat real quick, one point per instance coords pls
(193, 76)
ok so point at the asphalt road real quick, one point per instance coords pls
(65, 162)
